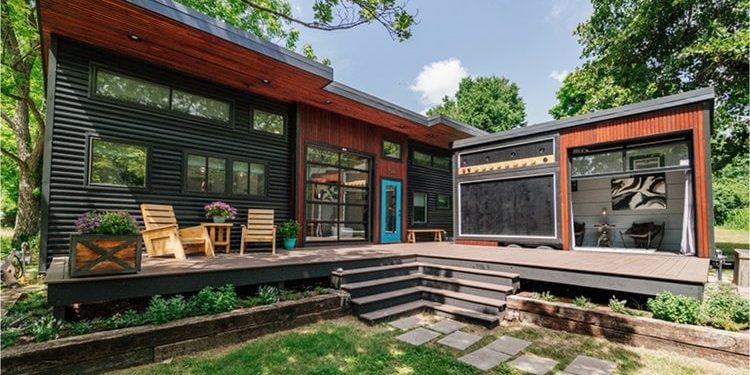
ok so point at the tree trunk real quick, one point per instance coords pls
(28, 206)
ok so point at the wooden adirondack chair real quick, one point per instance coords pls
(259, 228)
(163, 237)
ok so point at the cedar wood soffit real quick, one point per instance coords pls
(171, 35)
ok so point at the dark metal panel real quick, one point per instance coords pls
(51, 83)
(77, 116)
(433, 182)
(526, 150)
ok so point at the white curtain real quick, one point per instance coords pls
(687, 243)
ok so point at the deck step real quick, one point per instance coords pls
(368, 273)
(355, 271)
(394, 311)
(474, 274)
(363, 305)
(469, 316)
(464, 297)
(377, 286)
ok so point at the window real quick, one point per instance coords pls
(116, 163)
(268, 122)
(132, 90)
(206, 174)
(619, 159)
(421, 159)
(441, 162)
(141, 92)
(200, 106)
(248, 178)
(420, 208)
(391, 150)
(444, 201)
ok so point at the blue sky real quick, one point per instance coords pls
(529, 42)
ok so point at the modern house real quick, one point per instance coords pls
(637, 176)
(152, 102)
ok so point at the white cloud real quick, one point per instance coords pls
(437, 80)
(569, 11)
(558, 75)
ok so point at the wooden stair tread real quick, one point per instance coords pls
(374, 282)
(463, 312)
(463, 296)
(355, 271)
(507, 275)
(393, 310)
(471, 283)
(386, 295)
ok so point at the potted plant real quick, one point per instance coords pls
(288, 231)
(220, 211)
(106, 243)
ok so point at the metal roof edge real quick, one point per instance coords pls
(665, 102)
(220, 29)
(458, 125)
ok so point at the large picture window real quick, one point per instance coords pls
(125, 88)
(117, 163)
(337, 195)
(625, 158)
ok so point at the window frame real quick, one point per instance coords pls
(450, 201)
(285, 119)
(400, 150)
(94, 67)
(414, 207)
(229, 171)
(432, 160)
(90, 138)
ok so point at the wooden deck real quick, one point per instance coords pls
(633, 273)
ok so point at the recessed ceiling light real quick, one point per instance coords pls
(402, 126)
(328, 102)
(265, 81)
(134, 37)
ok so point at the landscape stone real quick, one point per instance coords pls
(447, 326)
(484, 358)
(533, 364)
(408, 323)
(418, 336)
(585, 365)
(509, 345)
(460, 340)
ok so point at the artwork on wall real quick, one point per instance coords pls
(641, 192)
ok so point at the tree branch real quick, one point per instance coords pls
(310, 25)
(11, 155)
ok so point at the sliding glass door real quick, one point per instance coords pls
(337, 195)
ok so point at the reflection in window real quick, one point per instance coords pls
(391, 150)
(268, 122)
(441, 162)
(132, 90)
(200, 106)
(115, 163)
(206, 174)
(421, 159)
(248, 178)
(605, 162)
(664, 155)
(420, 207)
(629, 158)
(444, 201)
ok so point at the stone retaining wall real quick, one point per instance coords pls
(103, 351)
(732, 348)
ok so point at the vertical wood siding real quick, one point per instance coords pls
(673, 121)
(77, 116)
(328, 128)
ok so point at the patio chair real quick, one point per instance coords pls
(260, 228)
(579, 230)
(644, 234)
(163, 237)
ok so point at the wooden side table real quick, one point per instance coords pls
(220, 234)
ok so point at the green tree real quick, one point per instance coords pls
(490, 103)
(22, 101)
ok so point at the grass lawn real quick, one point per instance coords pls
(346, 346)
(729, 239)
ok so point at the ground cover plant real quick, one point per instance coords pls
(347, 346)
(30, 319)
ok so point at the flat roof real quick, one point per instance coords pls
(665, 102)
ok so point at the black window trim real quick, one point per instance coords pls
(94, 67)
(400, 149)
(90, 137)
(228, 191)
(414, 208)
(432, 160)
(284, 116)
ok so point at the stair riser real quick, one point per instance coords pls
(359, 309)
(470, 320)
(347, 279)
(393, 316)
(464, 289)
(381, 288)
(515, 283)
(486, 309)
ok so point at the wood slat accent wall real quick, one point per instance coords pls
(688, 119)
(322, 127)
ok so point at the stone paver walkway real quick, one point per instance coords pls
(533, 364)
(484, 359)
(585, 365)
(447, 326)
(408, 323)
(460, 340)
(509, 345)
(418, 336)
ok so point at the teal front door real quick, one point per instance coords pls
(390, 211)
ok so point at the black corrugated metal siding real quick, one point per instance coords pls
(431, 181)
(78, 117)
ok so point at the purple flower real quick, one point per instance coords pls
(88, 222)
(220, 208)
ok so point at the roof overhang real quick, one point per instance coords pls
(179, 38)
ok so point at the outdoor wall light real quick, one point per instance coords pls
(328, 102)
(265, 81)
(134, 37)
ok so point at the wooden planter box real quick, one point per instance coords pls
(103, 254)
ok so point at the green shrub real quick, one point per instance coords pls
(738, 218)
(544, 296)
(129, 318)
(214, 300)
(674, 308)
(583, 302)
(46, 328)
(9, 337)
(268, 294)
(731, 198)
(620, 307)
(741, 311)
(162, 310)
(80, 328)
(723, 307)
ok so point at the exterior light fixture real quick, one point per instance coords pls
(402, 126)
(265, 81)
(134, 37)
(328, 102)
